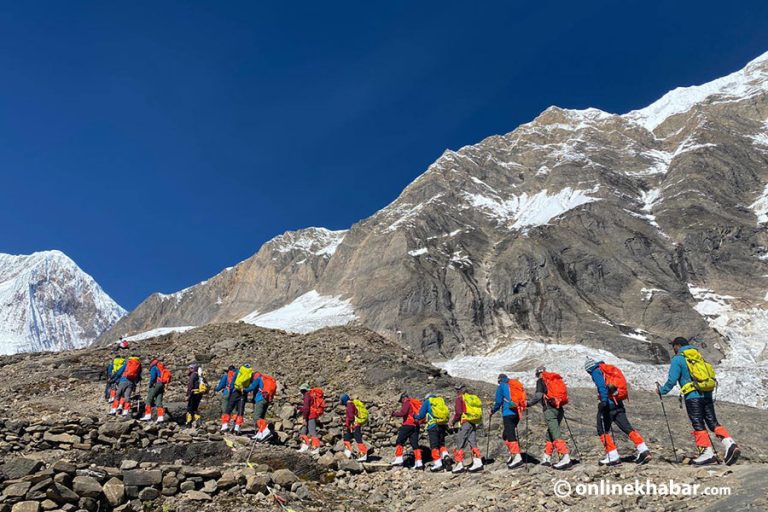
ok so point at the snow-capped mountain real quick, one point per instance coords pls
(48, 303)
(579, 228)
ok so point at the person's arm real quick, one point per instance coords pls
(255, 385)
(499, 399)
(602, 387)
(675, 372)
(119, 373)
(154, 373)
(541, 390)
(191, 384)
(221, 385)
(459, 409)
(349, 418)
(404, 410)
(306, 406)
(423, 411)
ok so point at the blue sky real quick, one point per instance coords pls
(158, 142)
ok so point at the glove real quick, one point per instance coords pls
(658, 388)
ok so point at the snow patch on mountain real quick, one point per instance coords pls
(741, 85)
(160, 331)
(760, 207)
(307, 313)
(317, 241)
(526, 211)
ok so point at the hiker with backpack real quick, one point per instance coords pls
(355, 417)
(511, 399)
(237, 398)
(196, 388)
(697, 382)
(263, 387)
(612, 392)
(552, 393)
(159, 376)
(311, 409)
(435, 412)
(468, 413)
(225, 386)
(126, 377)
(408, 431)
(110, 391)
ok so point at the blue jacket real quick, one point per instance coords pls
(426, 410)
(602, 388)
(679, 374)
(222, 385)
(256, 386)
(504, 400)
(154, 373)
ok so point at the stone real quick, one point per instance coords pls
(170, 481)
(228, 479)
(149, 494)
(210, 487)
(114, 491)
(21, 467)
(351, 466)
(37, 491)
(128, 464)
(86, 486)
(286, 412)
(196, 496)
(206, 473)
(115, 428)
(17, 490)
(187, 486)
(284, 477)
(255, 484)
(62, 466)
(26, 506)
(327, 460)
(49, 505)
(142, 477)
(61, 494)
(61, 438)
(89, 504)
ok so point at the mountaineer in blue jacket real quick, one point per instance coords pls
(699, 405)
(226, 385)
(510, 417)
(437, 428)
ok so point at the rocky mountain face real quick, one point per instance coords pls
(48, 303)
(580, 227)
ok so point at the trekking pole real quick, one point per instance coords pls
(570, 432)
(666, 419)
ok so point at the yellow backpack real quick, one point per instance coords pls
(361, 418)
(473, 409)
(440, 411)
(702, 373)
(244, 377)
(117, 363)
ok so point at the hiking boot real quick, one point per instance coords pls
(224, 427)
(477, 465)
(418, 464)
(161, 419)
(237, 429)
(315, 451)
(458, 468)
(546, 460)
(436, 466)
(126, 412)
(348, 453)
(304, 447)
(397, 461)
(112, 412)
(515, 462)
(564, 462)
(732, 451)
(146, 417)
(706, 457)
(643, 457)
(362, 458)
(611, 459)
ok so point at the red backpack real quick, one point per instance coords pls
(268, 386)
(317, 405)
(615, 381)
(132, 369)
(517, 394)
(415, 408)
(165, 374)
(557, 391)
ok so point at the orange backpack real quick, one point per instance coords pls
(165, 374)
(615, 381)
(517, 394)
(415, 408)
(268, 386)
(132, 369)
(317, 405)
(557, 392)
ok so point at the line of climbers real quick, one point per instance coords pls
(688, 369)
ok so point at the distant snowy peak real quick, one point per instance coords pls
(314, 241)
(48, 303)
(743, 84)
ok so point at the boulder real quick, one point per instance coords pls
(227, 480)
(61, 438)
(255, 484)
(61, 494)
(26, 506)
(86, 486)
(49, 505)
(115, 428)
(128, 464)
(196, 496)
(21, 467)
(284, 478)
(205, 473)
(351, 466)
(17, 490)
(142, 477)
(114, 491)
(62, 466)
(149, 494)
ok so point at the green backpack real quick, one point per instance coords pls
(702, 373)
(361, 418)
(474, 409)
(440, 411)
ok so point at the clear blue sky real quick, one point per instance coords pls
(158, 142)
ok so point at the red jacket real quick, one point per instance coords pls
(349, 419)
(306, 408)
(460, 408)
(406, 412)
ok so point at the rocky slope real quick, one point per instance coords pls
(48, 303)
(57, 453)
(580, 227)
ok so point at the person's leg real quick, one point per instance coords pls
(603, 430)
(303, 435)
(509, 434)
(413, 439)
(732, 450)
(621, 420)
(550, 416)
(149, 403)
(159, 403)
(313, 438)
(477, 462)
(259, 415)
(462, 440)
(362, 449)
(402, 437)
(226, 411)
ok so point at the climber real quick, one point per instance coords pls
(552, 393)
(435, 412)
(127, 377)
(468, 412)
(510, 416)
(409, 431)
(612, 391)
(195, 390)
(159, 376)
(110, 391)
(226, 385)
(355, 417)
(699, 403)
(237, 398)
(311, 409)
(263, 388)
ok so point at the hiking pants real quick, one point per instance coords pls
(260, 410)
(466, 437)
(437, 435)
(510, 427)
(553, 417)
(224, 403)
(408, 433)
(701, 412)
(155, 395)
(611, 415)
(193, 402)
(236, 403)
(125, 390)
(356, 433)
(309, 428)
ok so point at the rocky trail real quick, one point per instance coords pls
(60, 451)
